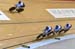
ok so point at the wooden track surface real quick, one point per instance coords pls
(27, 25)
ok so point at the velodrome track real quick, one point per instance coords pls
(27, 25)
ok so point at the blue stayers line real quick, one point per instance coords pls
(48, 41)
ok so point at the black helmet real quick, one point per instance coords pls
(47, 27)
(19, 2)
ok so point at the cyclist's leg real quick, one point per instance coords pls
(39, 36)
